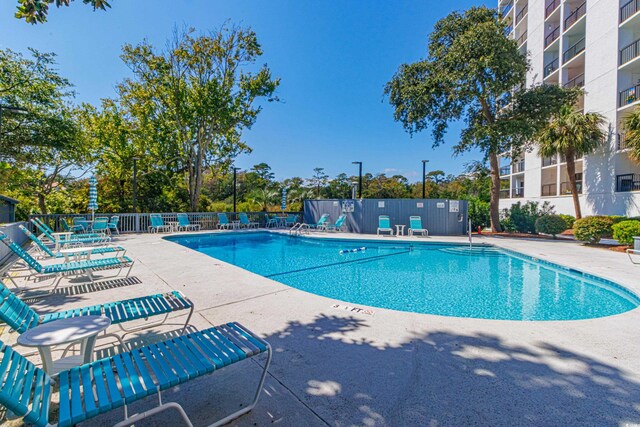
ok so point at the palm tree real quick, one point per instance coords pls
(264, 197)
(572, 134)
(631, 126)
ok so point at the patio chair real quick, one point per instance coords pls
(81, 268)
(272, 220)
(321, 222)
(415, 226)
(338, 225)
(185, 224)
(100, 386)
(21, 317)
(46, 252)
(73, 228)
(244, 221)
(291, 220)
(82, 222)
(70, 239)
(101, 225)
(157, 224)
(223, 221)
(41, 225)
(113, 224)
(384, 225)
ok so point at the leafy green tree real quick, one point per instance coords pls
(631, 126)
(471, 67)
(36, 11)
(319, 179)
(260, 177)
(265, 198)
(383, 187)
(572, 134)
(339, 187)
(196, 97)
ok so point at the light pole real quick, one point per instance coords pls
(235, 170)
(12, 109)
(135, 183)
(424, 177)
(359, 178)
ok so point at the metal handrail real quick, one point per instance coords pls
(504, 193)
(628, 182)
(565, 187)
(623, 142)
(522, 13)
(629, 96)
(551, 37)
(551, 7)
(549, 190)
(575, 15)
(629, 52)
(551, 67)
(577, 81)
(136, 223)
(517, 193)
(629, 9)
(505, 170)
(574, 50)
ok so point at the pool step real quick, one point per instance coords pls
(475, 250)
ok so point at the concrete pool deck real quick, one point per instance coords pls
(339, 368)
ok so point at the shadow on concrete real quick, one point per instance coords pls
(446, 379)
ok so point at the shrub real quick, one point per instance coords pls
(522, 217)
(593, 228)
(551, 224)
(479, 213)
(569, 220)
(624, 231)
(618, 218)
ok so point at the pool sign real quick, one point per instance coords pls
(283, 205)
(454, 206)
(348, 206)
(440, 205)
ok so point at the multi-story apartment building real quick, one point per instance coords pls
(594, 44)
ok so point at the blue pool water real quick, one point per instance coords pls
(443, 279)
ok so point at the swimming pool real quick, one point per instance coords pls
(434, 278)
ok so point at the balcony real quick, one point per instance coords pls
(551, 67)
(628, 182)
(629, 96)
(629, 52)
(522, 13)
(622, 142)
(577, 81)
(508, 30)
(553, 5)
(573, 51)
(504, 193)
(629, 9)
(506, 9)
(517, 193)
(521, 39)
(575, 15)
(518, 167)
(549, 161)
(553, 36)
(505, 170)
(549, 190)
(565, 187)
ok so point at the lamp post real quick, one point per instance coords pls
(12, 109)
(359, 178)
(424, 178)
(135, 183)
(235, 170)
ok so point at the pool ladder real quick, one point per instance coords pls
(298, 229)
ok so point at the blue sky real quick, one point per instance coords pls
(333, 57)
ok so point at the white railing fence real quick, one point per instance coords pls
(139, 223)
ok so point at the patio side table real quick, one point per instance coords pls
(400, 229)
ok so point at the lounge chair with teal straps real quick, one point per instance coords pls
(20, 317)
(157, 224)
(338, 225)
(291, 220)
(113, 224)
(73, 228)
(322, 222)
(245, 222)
(43, 227)
(185, 224)
(69, 239)
(46, 252)
(223, 221)
(384, 225)
(271, 220)
(82, 268)
(113, 382)
(415, 226)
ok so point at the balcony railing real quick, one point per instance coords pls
(522, 13)
(575, 15)
(553, 5)
(577, 81)
(629, 96)
(521, 39)
(628, 182)
(629, 9)
(506, 9)
(549, 190)
(548, 161)
(551, 37)
(518, 167)
(508, 30)
(574, 50)
(505, 170)
(629, 52)
(623, 142)
(551, 67)
(517, 193)
(504, 193)
(565, 187)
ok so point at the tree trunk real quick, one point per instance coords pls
(571, 171)
(42, 204)
(494, 206)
